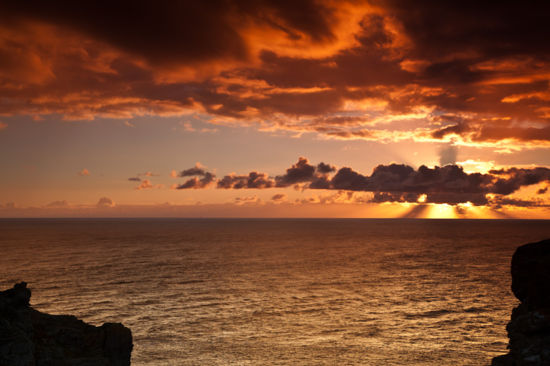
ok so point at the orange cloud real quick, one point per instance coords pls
(145, 184)
(340, 69)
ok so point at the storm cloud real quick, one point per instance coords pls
(470, 71)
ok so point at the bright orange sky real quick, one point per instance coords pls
(274, 109)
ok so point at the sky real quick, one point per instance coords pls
(417, 109)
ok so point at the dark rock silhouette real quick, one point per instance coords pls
(529, 327)
(31, 338)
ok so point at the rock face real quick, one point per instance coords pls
(31, 338)
(529, 327)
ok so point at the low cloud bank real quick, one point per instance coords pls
(448, 184)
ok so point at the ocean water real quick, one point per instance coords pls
(279, 292)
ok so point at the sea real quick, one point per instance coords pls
(278, 291)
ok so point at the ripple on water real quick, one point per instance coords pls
(279, 292)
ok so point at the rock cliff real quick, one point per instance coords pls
(529, 327)
(31, 338)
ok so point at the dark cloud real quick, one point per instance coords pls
(438, 28)
(380, 197)
(325, 168)
(453, 198)
(510, 180)
(201, 177)
(542, 190)
(198, 183)
(252, 180)
(500, 201)
(321, 181)
(304, 172)
(449, 184)
(479, 69)
(134, 179)
(493, 131)
(300, 172)
(401, 183)
(196, 170)
(179, 32)
(394, 177)
(349, 180)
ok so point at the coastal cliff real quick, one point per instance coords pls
(31, 338)
(529, 327)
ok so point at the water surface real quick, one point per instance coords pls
(279, 292)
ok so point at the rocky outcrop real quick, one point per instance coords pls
(31, 338)
(529, 327)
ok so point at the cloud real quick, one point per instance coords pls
(3, 125)
(145, 184)
(380, 197)
(279, 197)
(198, 183)
(248, 200)
(345, 70)
(499, 202)
(219, 22)
(325, 168)
(448, 184)
(495, 130)
(500, 32)
(104, 202)
(252, 180)
(300, 172)
(201, 178)
(134, 179)
(198, 169)
(188, 126)
(401, 183)
(338, 197)
(303, 172)
(510, 180)
(347, 179)
(84, 172)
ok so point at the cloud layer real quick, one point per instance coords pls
(384, 70)
(449, 184)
